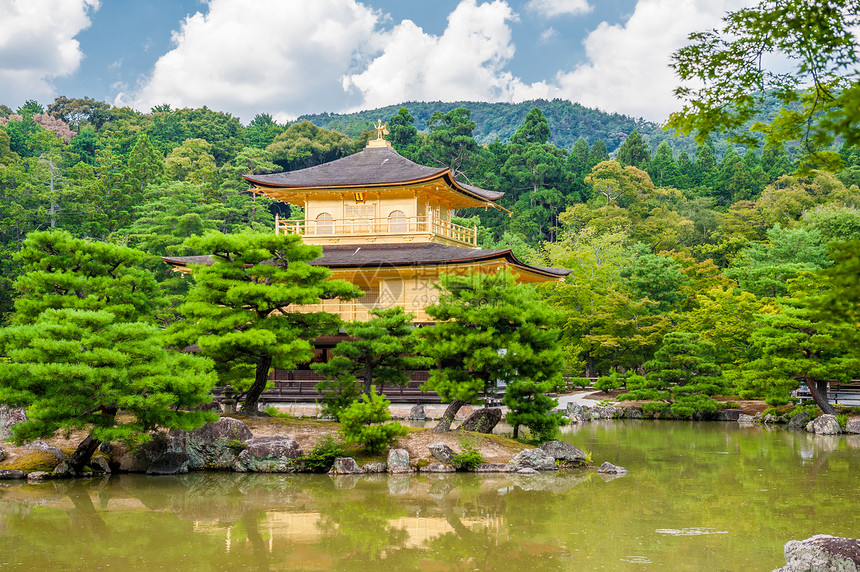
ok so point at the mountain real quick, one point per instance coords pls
(568, 122)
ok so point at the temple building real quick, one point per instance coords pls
(385, 224)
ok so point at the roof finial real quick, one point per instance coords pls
(381, 129)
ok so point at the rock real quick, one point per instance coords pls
(493, 468)
(441, 452)
(62, 470)
(757, 417)
(2, 455)
(822, 553)
(578, 418)
(380, 467)
(527, 471)
(141, 457)
(417, 413)
(799, 421)
(824, 425)
(345, 466)
(269, 455)
(853, 425)
(9, 475)
(326, 417)
(38, 476)
(611, 469)
(438, 468)
(564, 452)
(537, 459)
(745, 419)
(100, 462)
(610, 412)
(729, 414)
(170, 463)
(769, 419)
(10, 416)
(43, 447)
(574, 408)
(398, 461)
(213, 446)
(482, 420)
(633, 412)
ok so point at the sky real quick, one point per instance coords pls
(294, 57)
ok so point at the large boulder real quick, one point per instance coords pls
(632, 412)
(213, 446)
(398, 461)
(417, 413)
(482, 420)
(10, 416)
(269, 455)
(729, 414)
(43, 447)
(536, 459)
(2, 455)
(573, 408)
(564, 452)
(11, 475)
(824, 425)
(139, 459)
(852, 425)
(346, 466)
(745, 419)
(374, 468)
(798, 421)
(441, 452)
(170, 463)
(822, 553)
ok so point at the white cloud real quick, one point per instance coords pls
(466, 62)
(37, 44)
(548, 34)
(628, 65)
(553, 8)
(284, 57)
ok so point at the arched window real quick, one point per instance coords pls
(325, 224)
(397, 221)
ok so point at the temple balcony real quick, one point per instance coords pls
(393, 229)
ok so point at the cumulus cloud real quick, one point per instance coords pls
(289, 57)
(37, 44)
(285, 57)
(553, 8)
(467, 62)
(628, 65)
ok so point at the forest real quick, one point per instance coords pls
(716, 271)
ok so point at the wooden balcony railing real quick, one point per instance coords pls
(391, 226)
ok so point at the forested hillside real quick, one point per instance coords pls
(732, 249)
(567, 121)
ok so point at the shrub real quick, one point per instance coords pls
(654, 408)
(322, 456)
(275, 412)
(685, 406)
(581, 382)
(357, 423)
(607, 384)
(469, 458)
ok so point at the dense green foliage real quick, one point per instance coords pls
(321, 458)
(709, 239)
(83, 346)
(379, 351)
(240, 310)
(363, 423)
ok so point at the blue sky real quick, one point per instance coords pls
(289, 57)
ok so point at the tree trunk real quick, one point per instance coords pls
(818, 389)
(448, 417)
(368, 378)
(589, 366)
(261, 378)
(82, 454)
(516, 431)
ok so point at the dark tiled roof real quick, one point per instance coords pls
(357, 256)
(372, 166)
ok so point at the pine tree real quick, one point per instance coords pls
(242, 310)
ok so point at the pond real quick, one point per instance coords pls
(699, 496)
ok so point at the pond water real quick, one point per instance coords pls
(699, 496)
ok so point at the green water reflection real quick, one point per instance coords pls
(698, 497)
